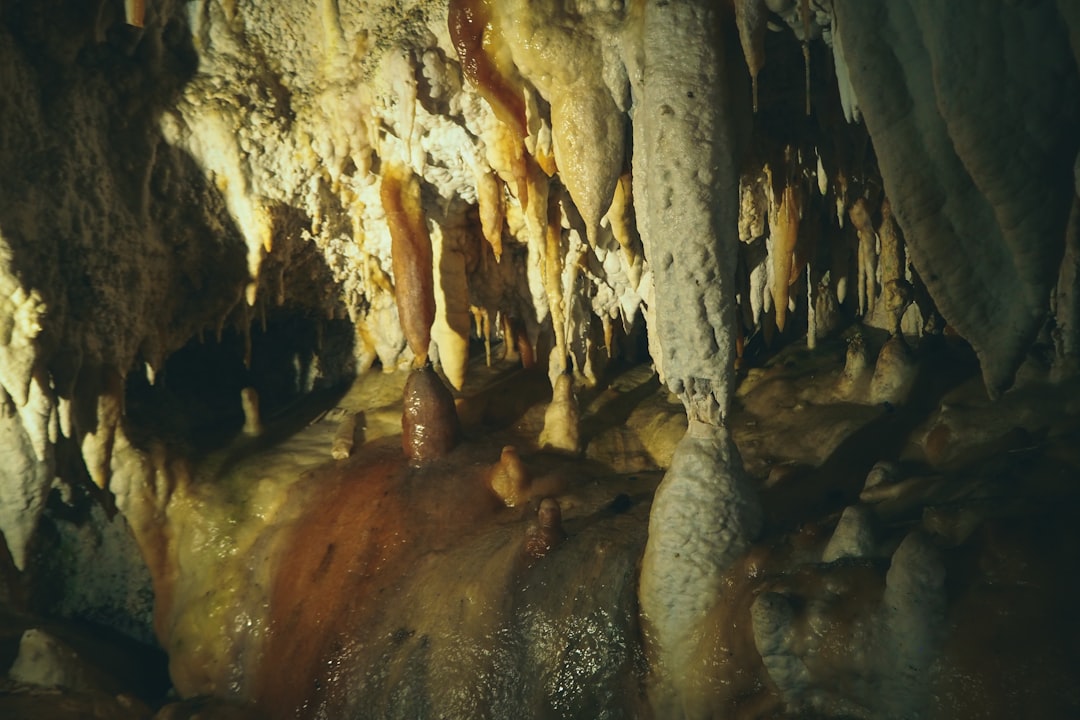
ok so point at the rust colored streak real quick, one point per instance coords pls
(411, 253)
(362, 533)
(329, 581)
(473, 34)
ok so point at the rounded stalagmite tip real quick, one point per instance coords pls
(547, 532)
(429, 421)
(509, 479)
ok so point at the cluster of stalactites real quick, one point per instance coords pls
(541, 248)
(808, 22)
(862, 271)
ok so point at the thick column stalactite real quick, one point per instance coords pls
(704, 513)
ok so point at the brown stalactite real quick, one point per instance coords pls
(412, 258)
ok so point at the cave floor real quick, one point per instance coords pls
(384, 585)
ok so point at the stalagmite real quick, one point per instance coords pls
(853, 536)
(894, 373)
(412, 257)
(509, 479)
(429, 421)
(345, 435)
(914, 611)
(547, 532)
(561, 418)
(249, 401)
(705, 514)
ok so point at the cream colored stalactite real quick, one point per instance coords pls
(587, 126)
(24, 484)
(135, 12)
(450, 331)
(587, 130)
(620, 219)
(98, 444)
(752, 19)
(753, 206)
(867, 256)
(22, 313)
(848, 101)
(704, 513)
(785, 235)
(211, 136)
(555, 267)
(492, 205)
(534, 230)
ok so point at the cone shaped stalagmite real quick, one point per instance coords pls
(429, 421)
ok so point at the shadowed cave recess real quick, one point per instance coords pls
(539, 359)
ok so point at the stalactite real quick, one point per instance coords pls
(411, 254)
(489, 193)
(485, 61)
(804, 12)
(785, 237)
(97, 446)
(588, 132)
(554, 266)
(135, 12)
(620, 216)
(752, 19)
(450, 329)
(1067, 296)
(867, 258)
